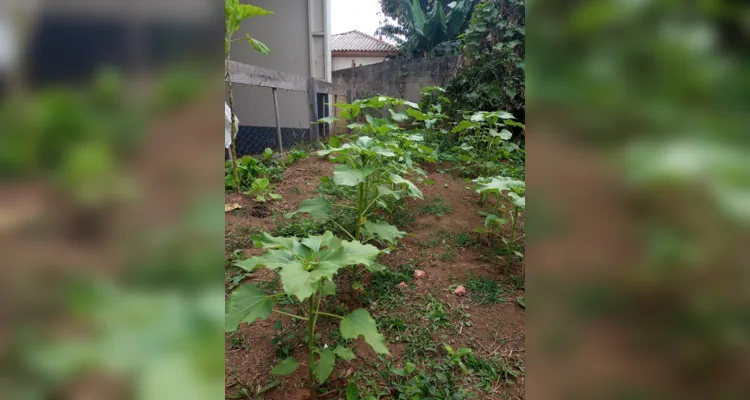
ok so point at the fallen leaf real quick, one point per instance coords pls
(231, 207)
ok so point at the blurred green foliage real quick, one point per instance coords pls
(656, 92)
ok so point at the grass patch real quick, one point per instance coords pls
(485, 291)
(437, 206)
(464, 240)
(384, 287)
(240, 239)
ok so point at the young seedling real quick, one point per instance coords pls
(307, 268)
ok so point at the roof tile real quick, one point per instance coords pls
(358, 41)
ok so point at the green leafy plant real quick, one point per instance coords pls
(504, 190)
(249, 169)
(492, 76)
(485, 141)
(261, 189)
(364, 166)
(234, 14)
(307, 268)
(428, 28)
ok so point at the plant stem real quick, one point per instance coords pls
(291, 315)
(232, 128)
(511, 241)
(360, 209)
(311, 347)
(343, 230)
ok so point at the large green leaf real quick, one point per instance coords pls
(384, 190)
(273, 259)
(360, 323)
(318, 208)
(344, 353)
(347, 176)
(412, 189)
(325, 364)
(315, 243)
(259, 46)
(327, 287)
(352, 391)
(462, 126)
(250, 11)
(497, 184)
(246, 304)
(285, 367)
(356, 253)
(382, 231)
(299, 282)
(266, 241)
(398, 117)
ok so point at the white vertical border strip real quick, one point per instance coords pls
(327, 38)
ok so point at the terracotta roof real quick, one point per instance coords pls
(358, 41)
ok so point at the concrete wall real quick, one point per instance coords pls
(398, 78)
(341, 62)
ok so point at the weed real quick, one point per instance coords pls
(384, 288)
(487, 372)
(402, 218)
(440, 238)
(297, 226)
(236, 342)
(437, 206)
(449, 254)
(519, 282)
(464, 240)
(240, 239)
(328, 187)
(436, 313)
(485, 291)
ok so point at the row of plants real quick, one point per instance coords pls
(371, 166)
(374, 170)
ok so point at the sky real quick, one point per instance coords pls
(349, 15)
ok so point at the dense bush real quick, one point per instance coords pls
(491, 69)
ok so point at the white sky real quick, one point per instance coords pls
(349, 15)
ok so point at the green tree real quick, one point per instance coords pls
(492, 76)
(425, 27)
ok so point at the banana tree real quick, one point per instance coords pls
(427, 29)
(234, 14)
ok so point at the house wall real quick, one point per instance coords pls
(298, 42)
(397, 78)
(341, 62)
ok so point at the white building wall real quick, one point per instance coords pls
(297, 39)
(342, 62)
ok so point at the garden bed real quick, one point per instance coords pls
(418, 320)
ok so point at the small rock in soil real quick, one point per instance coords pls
(402, 285)
(460, 291)
(418, 274)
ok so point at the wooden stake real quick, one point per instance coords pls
(278, 124)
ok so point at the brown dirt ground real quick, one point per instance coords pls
(496, 329)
